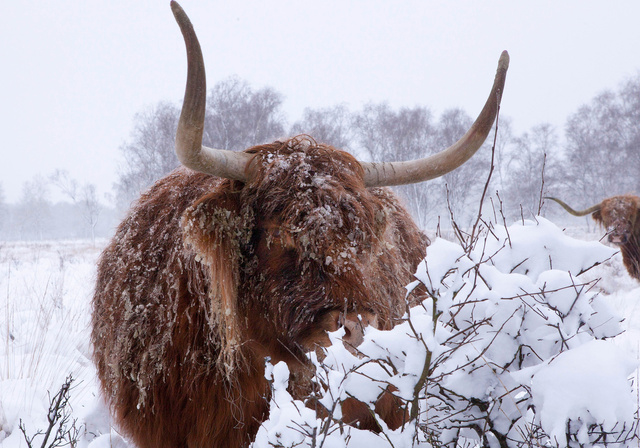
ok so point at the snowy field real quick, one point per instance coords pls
(46, 287)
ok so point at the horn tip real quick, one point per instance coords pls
(503, 63)
(176, 8)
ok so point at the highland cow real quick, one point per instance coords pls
(619, 216)
(236, 258)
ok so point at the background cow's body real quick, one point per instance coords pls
(308, 240)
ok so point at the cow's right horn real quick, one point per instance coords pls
(584, 212)
(191, 153)
(399, 173)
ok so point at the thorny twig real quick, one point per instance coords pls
(57, 415)
(541, 197)
(486, 185)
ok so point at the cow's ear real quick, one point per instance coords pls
(597, 216)
(217, 228)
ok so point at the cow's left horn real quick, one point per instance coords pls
(191, 153)
(399, 173)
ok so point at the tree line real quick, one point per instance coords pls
(35, 217)
(597, 155)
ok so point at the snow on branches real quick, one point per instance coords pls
(511, 349)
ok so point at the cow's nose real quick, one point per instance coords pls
(617, 238)
(354, 325)
(353, 332)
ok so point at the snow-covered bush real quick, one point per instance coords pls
(514, 346)
(511, 349)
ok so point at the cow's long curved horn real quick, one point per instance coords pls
(191, 153)
(399, 173)
(584, 212)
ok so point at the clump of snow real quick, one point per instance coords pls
(282, 408)
(538, 246)
(587, 384)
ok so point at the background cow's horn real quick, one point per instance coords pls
(584, 212)
(191, 153)
(399, 173)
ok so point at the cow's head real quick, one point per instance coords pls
(304, 243)
(618, 215)
(296, 229)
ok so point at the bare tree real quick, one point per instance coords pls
(463, 184)
(595, 158)
(630, 98)
(409, 133)
(383, 134)
(3, 208)
(533, 170)
(91, 208)
(239, 116)
(67, 185)
(34, 209)
(503, 154)
(331, 125)
(603, 145)
(85, 198)
(149, 154)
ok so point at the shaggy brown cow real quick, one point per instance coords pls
(244, 256)
(619, 216)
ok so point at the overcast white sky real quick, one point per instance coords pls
(73, 73)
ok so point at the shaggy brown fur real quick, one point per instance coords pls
(207, 277)
(619, 216)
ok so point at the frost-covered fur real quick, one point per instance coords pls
(619, 216)
(207, 277)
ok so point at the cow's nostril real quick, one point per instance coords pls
(617, 238)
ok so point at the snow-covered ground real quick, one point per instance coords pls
(44, 337)
(45, 292)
